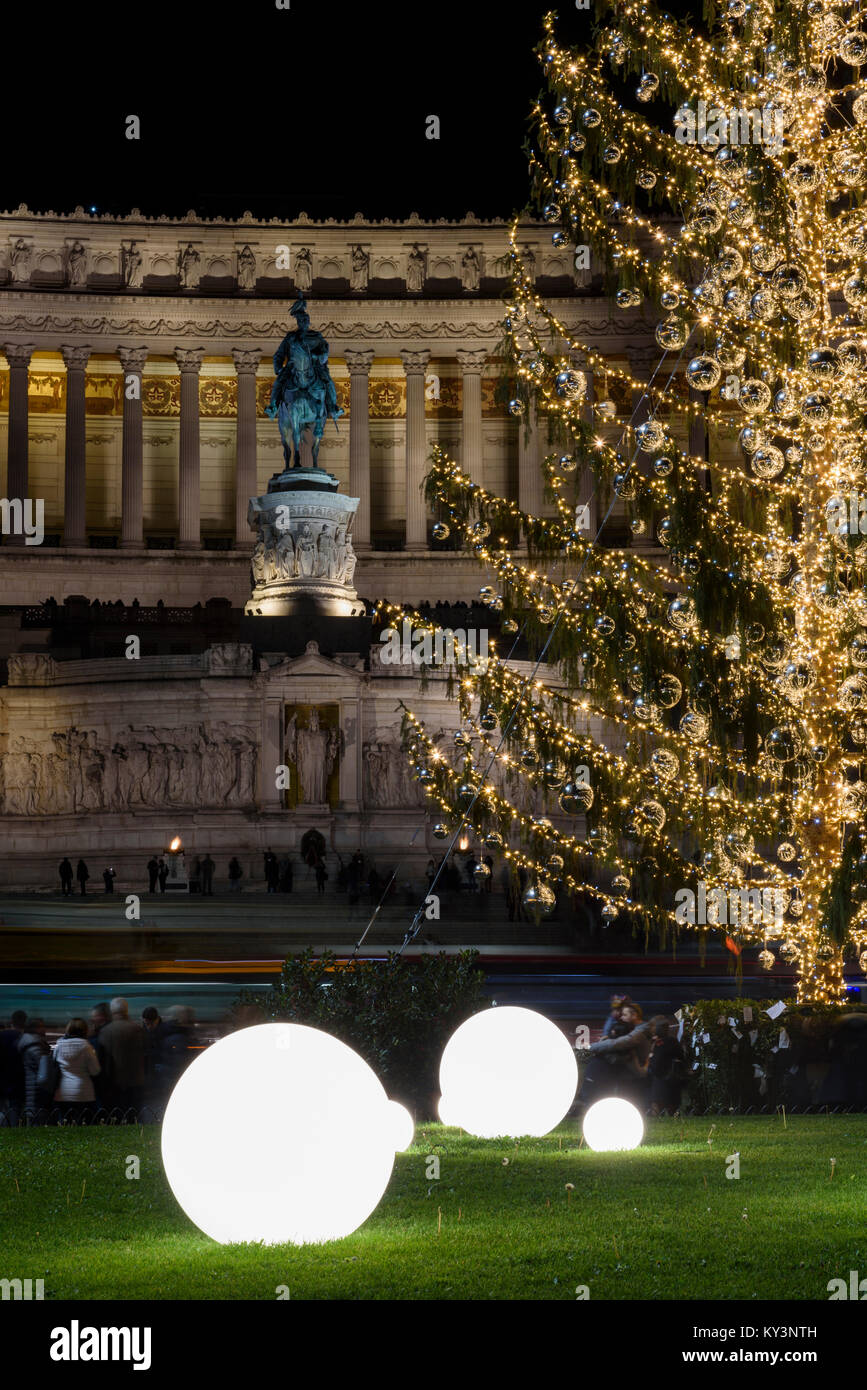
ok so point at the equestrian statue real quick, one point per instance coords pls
(303, 393)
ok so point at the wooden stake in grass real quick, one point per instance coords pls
(785, 1126)
(570, 1188)
(833, 1166)
(439, 1219)
(581, 1142)
(704, 1180)
(83, 1186)
(709, 1137)
(616, 1251)
(17, 1188)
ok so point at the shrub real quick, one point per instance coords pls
(754, 1070)
(398, 1014)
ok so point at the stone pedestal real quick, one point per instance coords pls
(303, 560)
(177, 881)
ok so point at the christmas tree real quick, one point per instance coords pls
(688, 744)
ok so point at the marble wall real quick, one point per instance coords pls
(110, 759)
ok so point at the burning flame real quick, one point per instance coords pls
(175, 844)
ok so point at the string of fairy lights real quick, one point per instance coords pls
(724, 729)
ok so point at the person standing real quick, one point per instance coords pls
(123, 1052)
(321, 876)
(613, 1019)
(489, 881)
(354, 877)
(12, 1069)
(153, 872)
(236, 873)
(108, 880)
(666, 1068)
(272, 871)
(207, 872)
(100, 1016)
(177, 1042)
(66, 876)
(627, 1051)
(32, 1047)
(162, 874)
(82, 873)
(155, 1030)
(286, 875)
(78, 1065)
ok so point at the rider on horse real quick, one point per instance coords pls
(303, 393)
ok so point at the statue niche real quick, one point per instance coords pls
(313, 744)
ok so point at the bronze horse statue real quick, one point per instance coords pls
(303, 393)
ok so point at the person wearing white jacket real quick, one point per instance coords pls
(78, 1063)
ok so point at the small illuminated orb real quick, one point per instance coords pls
(507, 1071)
(280, 1133)
(175, 845)
(613, 1124)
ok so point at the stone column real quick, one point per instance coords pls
(530, 484)
(350, 760)
(472, 365)
(246, 486)
(587, 486)
(698, 426)
(643, 362)
(415, 362)
(18, 356)
(189, 502)
(74, 508)
(131, 534)
(271, 748)
(359, 363)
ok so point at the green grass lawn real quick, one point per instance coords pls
(662, 1222)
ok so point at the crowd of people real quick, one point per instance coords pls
(642, 1062)
(102, 1067)
(357, 877)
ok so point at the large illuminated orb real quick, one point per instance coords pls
(507, 1071)
(280, 1133)
(613, 1124)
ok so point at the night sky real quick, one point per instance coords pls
(319, 108)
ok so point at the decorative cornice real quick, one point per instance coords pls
(96, 327)
(247, 220)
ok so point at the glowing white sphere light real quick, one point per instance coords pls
(280, 1133)
(613, 1124)
(402, 1126)
(507, 1071)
